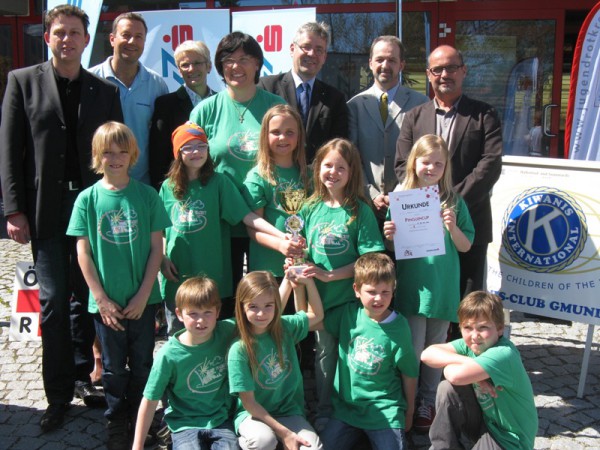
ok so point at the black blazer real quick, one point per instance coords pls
(33, 141)
(170, 111)
(328, 114)
(475, 153)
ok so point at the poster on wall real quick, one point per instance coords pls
(544, 258)
(168, 29)
(274, 30)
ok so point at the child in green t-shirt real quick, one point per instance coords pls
(486, 394)
(375, 381)
(264, 372)
(118, 223)
(191, 368)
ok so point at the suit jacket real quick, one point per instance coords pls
(376, 142)
(170, 111)
(328, 114)
(475, 153)
(33, 141)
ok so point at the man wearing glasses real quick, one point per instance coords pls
(322, 107)
(472, 130)
(171, 110)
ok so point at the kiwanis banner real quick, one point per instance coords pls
(544, 258)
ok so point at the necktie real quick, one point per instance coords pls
(304, 101)
(383, 108)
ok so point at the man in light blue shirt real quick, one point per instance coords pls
(138, 85)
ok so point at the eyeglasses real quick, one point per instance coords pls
(243, 61)
(450, 69)
(189, 149)
(189, 65)
(306, 48)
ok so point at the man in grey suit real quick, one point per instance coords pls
(49, 115)
(322, 107)
(376, 116)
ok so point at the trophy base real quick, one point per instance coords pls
(298, 268)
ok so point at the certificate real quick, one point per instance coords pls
(418, 219)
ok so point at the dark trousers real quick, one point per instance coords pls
(458, 413)
(67, 327)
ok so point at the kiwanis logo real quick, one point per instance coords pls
(544, 230)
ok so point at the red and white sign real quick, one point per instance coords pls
(274, 30)
(26, 311)
(168, 29)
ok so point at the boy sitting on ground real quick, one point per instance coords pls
(486, 394)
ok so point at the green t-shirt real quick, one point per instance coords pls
(259, 193)
(199, 240)
(332, 243)
(278, 389)
(511, 417)
(119, 225)
(430, 286)
(233, 144)
(368, 392)
(194, 379)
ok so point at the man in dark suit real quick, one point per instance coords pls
(472, 130)
(171, 110)
(322, 107)
(49, 114)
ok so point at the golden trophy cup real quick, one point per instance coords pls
(292, 201)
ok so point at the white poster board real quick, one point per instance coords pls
(274, 30)
(25, 310)
(544, 258)
(168, 29)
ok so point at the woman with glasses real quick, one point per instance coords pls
(171, 110)
(231, 120)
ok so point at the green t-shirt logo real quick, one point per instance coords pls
(271, 373)
(243, 145)
(332, 239)
(364, 356)
(207, 376)
(119, 227)
(188, 216)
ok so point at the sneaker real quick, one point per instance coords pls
(423, 418)
(118, 434)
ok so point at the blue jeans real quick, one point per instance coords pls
(338, 434)
(221, 438)
(126, 360)
(67, 326)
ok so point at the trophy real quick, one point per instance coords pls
(291, 202)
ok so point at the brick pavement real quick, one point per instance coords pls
(552, 355)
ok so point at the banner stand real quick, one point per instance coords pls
(586, 361)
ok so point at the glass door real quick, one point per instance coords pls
(514, 63)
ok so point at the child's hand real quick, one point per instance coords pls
(291, 248)
(312, 271)
(487, 387)
(168, 269)
(296, 276)
(449, 218)
(111, 313)
(293, 442)
(389, 229)
(135, 307)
